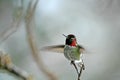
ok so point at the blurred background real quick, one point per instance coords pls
(96, 24)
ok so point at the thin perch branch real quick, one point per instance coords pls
(81, 69)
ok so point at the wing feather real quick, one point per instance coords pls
(82, 49)
(54, 48)
(59, 48)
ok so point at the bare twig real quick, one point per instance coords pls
(14, 25)
(6, 63)
(73, 63)
(13, 28)
(31, 39)
(81, 69)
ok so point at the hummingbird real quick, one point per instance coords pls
(72, 51)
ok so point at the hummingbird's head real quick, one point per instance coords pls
(71, 40)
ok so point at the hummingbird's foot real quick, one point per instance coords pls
(73, 63)
(81, 64)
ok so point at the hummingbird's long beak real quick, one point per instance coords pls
(64, 35)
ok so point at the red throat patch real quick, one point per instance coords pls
(74, 43)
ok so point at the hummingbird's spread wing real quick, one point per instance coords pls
(81, 48)
(59, 48)
(54, 48)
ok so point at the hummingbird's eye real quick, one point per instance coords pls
(71, 40)
(68, 41)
